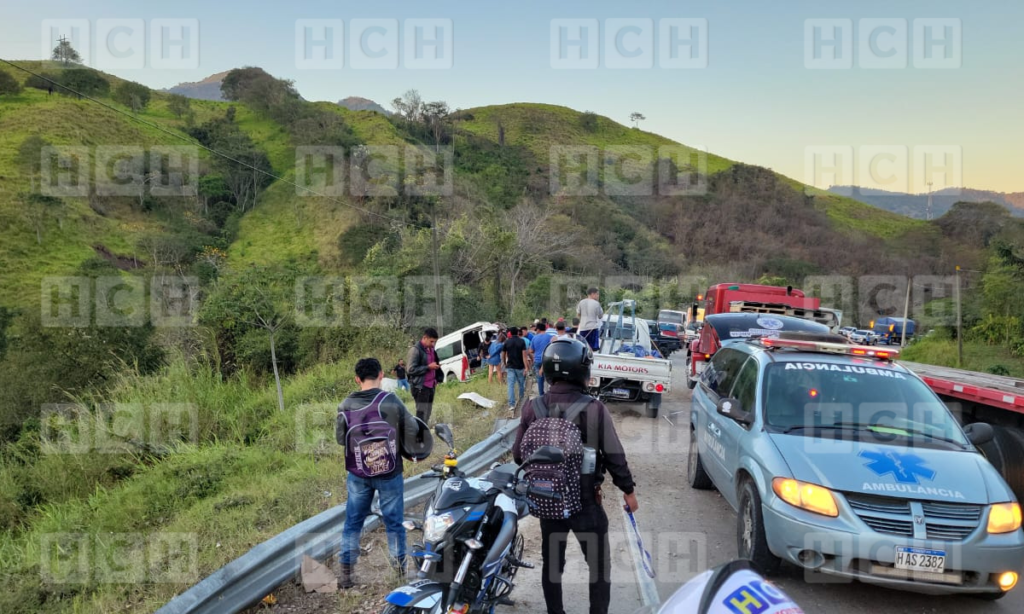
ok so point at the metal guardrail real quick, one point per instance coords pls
(246, 580)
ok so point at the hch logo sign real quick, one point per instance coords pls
(374, 44)
(629, 43)
(882, 43)
(121, 44)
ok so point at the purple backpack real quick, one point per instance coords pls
(371, 444)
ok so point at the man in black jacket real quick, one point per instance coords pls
(414, 443)
(566, 365)
(424, 373)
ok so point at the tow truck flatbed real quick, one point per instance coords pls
(995, 390)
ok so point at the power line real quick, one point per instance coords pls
(225, 156)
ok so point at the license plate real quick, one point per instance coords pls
(620, 392)
(921, 559)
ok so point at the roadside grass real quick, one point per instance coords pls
(978, 356)
(102, 544)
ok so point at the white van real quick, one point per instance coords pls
(460, 353)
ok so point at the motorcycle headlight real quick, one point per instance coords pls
(436, 526)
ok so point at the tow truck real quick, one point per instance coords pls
(627, 367)
(771, 301)
(842, 461)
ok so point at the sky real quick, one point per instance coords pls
(752, 96)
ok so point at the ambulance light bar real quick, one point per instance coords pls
(831, 348)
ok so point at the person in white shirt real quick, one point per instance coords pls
(590, 313)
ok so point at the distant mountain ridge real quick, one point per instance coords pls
(357, 103)
(916, 205)
(207, 89)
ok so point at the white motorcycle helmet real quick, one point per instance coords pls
(733, 588)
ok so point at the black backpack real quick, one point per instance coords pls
(558, 430)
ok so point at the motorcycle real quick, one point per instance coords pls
(471, 547)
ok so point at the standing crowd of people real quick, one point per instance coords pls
(378, 432)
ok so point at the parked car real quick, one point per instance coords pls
(840, 461)
(846, 330)
(863, 337)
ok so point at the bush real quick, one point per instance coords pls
(133, 95)
(588, 121)
(8, 84)
(85, 81)
(44, 81)
(998, 370)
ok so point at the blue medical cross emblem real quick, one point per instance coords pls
(906, 468)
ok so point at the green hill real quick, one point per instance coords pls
(506, 153)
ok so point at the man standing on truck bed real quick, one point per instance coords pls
(590, 313)
(566, 365)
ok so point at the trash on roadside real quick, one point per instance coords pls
(317, 577)
(476, 398)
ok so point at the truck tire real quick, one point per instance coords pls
(1006, 453)
(652, 405)
(690, 382)
(751, 542)
(695, 474)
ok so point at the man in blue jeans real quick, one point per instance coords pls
(377, 432)
(537, 346)
(515, 356)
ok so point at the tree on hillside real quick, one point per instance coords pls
(65, 53)
(37, 208)
(30, 158)
(264, 93)
(8, 84)
(133, 95)
(259, 297)
(531, 243)
(436, 115)
(409, 106)
(179, 105)
(588, 121)
(636, 118)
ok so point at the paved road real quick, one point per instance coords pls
(688, 531)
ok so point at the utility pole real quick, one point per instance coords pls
(959, 324)
(929, 214)
(906, 314)
(437, 269)
(62, 46)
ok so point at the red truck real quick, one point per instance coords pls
(751, 298)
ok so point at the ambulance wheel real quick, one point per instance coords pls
(695, 474)
(751, 542)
